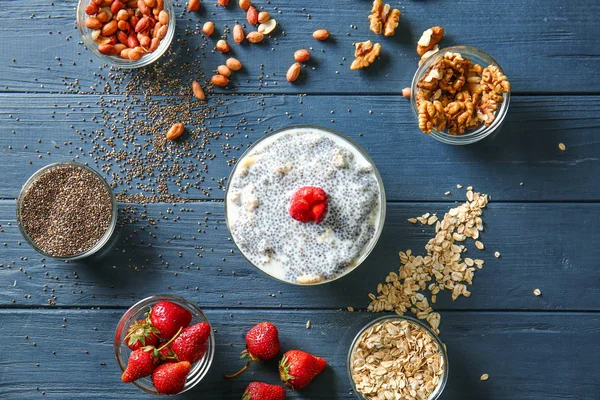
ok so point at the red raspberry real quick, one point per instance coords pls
(309, 204)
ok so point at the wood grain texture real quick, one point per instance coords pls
(534, 349)
(535, 242)
(538, 45)
(414, 166)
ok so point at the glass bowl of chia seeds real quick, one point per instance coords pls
(397, 356)
(67, 211)
(139, 312)
(478, 131)
(258, 205)
(91, 44)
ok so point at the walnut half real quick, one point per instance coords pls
(383, 18)
(429, 39)
(365, 54)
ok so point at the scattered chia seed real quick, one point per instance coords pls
(66, 211)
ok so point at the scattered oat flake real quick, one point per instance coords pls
(497, 254)
(479, 245)
(562, 146)
(412, 220)
(447, 193)
(351, 309)
(458, 186)
(308, 324)
(537, 292)
(484, 377)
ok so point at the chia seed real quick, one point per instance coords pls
(66, 211)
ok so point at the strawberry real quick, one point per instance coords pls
(168, 318)
(263, 391)
(297, 368)
(170, 378)
(309, 204)
(190, 345)
(166, 353)
(141, 334)
(262, 343)
(141, 363)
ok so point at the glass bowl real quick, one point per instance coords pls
(351, 145)
(442, 348)
(86, 35)
(137, 312)
(107, 235)
(478, 57)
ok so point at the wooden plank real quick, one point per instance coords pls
(535, 45)
(414, 166)
(552, 247)
(527, 355)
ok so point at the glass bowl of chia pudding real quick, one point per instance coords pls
(262, 194)
(67, 211)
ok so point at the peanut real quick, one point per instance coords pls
(91, 9)
(125, 53)
(163, 17)
(302, 55)
(116, 6)
(198, 92)
(119, 47)
(252, 15)
(103, 17)
(132, 42)
(143, 25)
(406, 92)
(293, 72)
(194, 5)
(150, 3)
(93, 23)
(321, 34)
(123, 26)
(238, 34)
(144, 9)
(162, 32)
(110, 28)
(255, 37)
(219, 80)
(145, 42)
(263, 17)
(136, 53)
(208, 28)
(107, 49)
(223, 3)
(175, 131)
(223, 46)
(245, 4)
(122, 15)
(224, 70)
(234, 64)
(154, 45)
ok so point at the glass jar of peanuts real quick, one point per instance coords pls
(397, 357)
(127, 33)
(460, 95)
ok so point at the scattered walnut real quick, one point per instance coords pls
(429, 39)
(365, 54)
(384, 19)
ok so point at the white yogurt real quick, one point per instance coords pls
(258, 200)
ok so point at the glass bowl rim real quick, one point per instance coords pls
(116, 61)
(483, 131)
(114, 213)
(442, 384)
(382, 199)
(148, 302)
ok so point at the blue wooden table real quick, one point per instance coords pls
(57, 319)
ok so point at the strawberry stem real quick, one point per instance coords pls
(239, 372)
(171, 340)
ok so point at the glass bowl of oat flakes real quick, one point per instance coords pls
(460, 95)
(397, 357)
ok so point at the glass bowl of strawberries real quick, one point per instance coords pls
(164, 345)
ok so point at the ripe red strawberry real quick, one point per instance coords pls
(168, 317)
(170, 378)
(297, 368)
(263, 391)
(141, 334)
(262, 343)
(141, 363)
(166, 353)
(190, 345)
(309, 204)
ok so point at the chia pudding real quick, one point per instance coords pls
(258, 205)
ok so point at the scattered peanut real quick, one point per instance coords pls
(223, 3)
(321, 34)
(252, 15)
(234, 64)
(194, 5)
(198, 91)
(224, 70)
(219, 80)
(175, 131)
(255, 37)
(238, 34)
(223, 46)
(293, 72)
(245, 4)
(302, 55)
(208, 28)
(267, 27)
(406, 92)
(263, 17)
